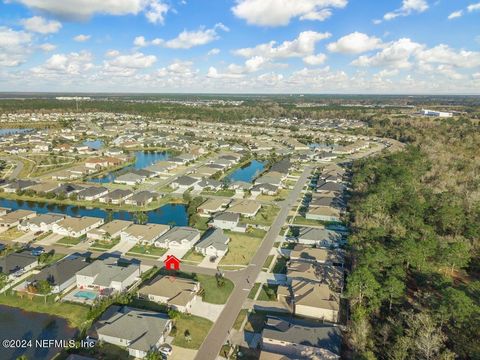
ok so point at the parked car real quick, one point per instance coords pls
(38, 251)
(165, 349)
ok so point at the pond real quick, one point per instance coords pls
(4, 132)
(248, 172)
(24, 325)
(169, 214)
(142, 160)
(94, 144)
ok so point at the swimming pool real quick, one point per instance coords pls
(89, 295)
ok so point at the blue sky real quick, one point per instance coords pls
(241, 46)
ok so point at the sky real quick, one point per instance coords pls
(241, 46)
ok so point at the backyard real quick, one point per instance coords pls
(265, 216)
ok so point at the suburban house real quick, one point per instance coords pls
(143, 234)
(117, 196)
(67, 189)
(18, 185)
(312, 300)
(42, 222)
(296, 339)
(330, 188)
(61, 275)
(109, 231)
(92, 193)
(324, 213)
(320, 273)
(14, 218)
(247, 208)
(129, 178)
(240, 187)
(16, 264)
(228, 221)
(141, 198)
(76, 227)
(213, 243)
(264, 188)
(318, 237)
(208, 184)
(183, 183)
(317, 255)
(177, 293)
(107, 277)
(178, 237)
(138, 330)
(212, 206)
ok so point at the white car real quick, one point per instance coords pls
(165, 349)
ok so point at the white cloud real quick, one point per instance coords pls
(82, 38)
(47, 47)
(408, 7)
(396, 54)
(213, 52)
(154, 10)
(355, 43)
(65, 64)
(302, 46)
(214, 74)
(40, 25)
(455, 14)
(188, 39)
(318, 59)
(473, 7)
(253, 64)
(280, 12)
(443, 54)
(140, 41)
(112, 53)
(136, 60)
(14, 46)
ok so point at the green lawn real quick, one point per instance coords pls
(268, 262)
(76, 314)
(197, 326)
(303, 221)
(69, 241)
(105, 245)
(193, 256)
(268, 293)
(147, 250)
(239, 320)
(212, 293)
(11, 234)
(280, 266)
(254, 290)
(241, 249)
(265, 216)
(105, 351)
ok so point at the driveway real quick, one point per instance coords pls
(26, 238)
(180, 353)
(206, 310)
(206, 263)
(271, 278)
(122, 247)
(49, 240)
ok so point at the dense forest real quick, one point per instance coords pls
(414, 289)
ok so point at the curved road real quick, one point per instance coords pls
(244, 279)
